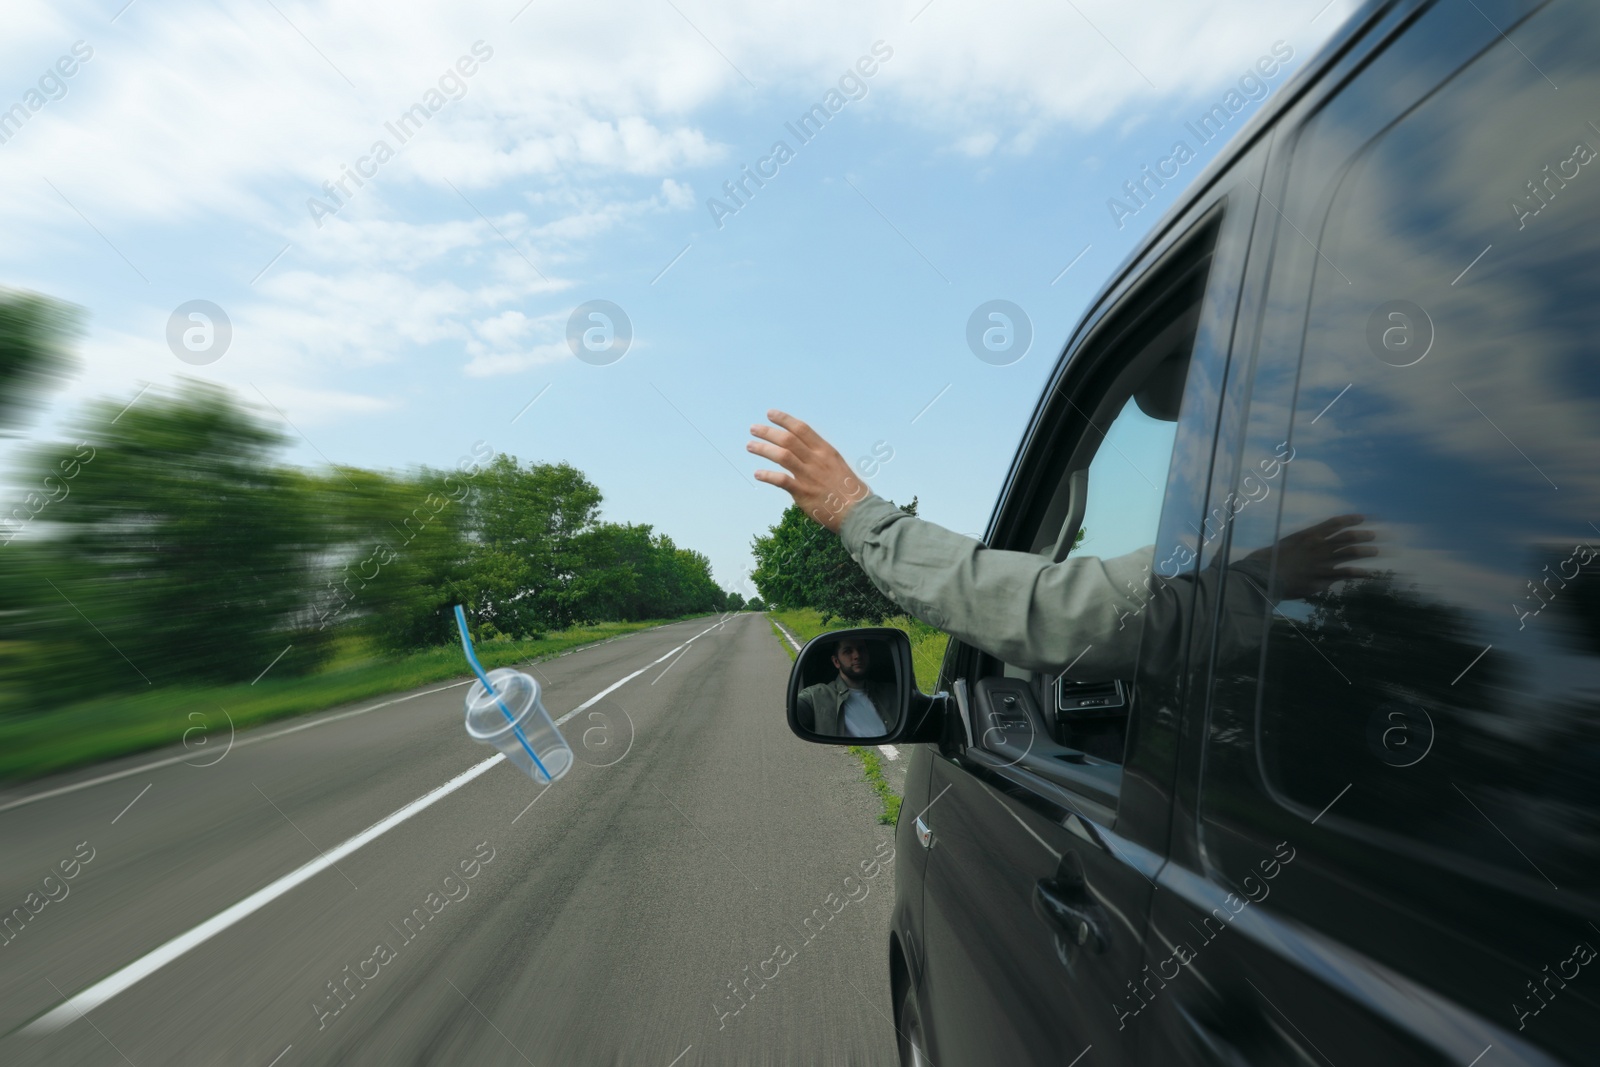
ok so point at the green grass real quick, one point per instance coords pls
(872, 766)
(782, 640)
(102, 729)
(927, 644)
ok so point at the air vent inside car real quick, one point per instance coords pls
(1087, 699)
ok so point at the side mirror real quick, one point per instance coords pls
(857, 687)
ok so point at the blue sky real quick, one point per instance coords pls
(575, 163)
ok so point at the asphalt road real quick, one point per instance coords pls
(603, 922)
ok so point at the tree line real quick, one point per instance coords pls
(166, 543)
(800, 564)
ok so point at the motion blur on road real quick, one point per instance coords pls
(625, 914)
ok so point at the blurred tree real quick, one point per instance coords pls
(175, 542)
(34, 358)
(168, 547)
(400, 556)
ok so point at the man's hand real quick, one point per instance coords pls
(1314, 558)
(818, 478)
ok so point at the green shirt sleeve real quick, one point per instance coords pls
(805, 710)
(1031, 613)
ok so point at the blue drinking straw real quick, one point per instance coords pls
(477, 668)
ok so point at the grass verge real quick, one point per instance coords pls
(872, 767)
(782, 640)
(39, 743)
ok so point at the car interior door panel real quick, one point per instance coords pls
(1016, 730)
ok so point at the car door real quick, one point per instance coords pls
(1387, 824)
(1046, 819)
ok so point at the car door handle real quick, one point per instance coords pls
(1069, 912)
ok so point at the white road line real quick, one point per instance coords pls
(118, 981)
(890, 751)
(665, 669)
(250, 740)
(787, 636)
(108, 987)
(613, 687)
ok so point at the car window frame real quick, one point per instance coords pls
(1228, 204)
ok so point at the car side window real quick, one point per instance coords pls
(1448, 393)
(1106, 464)
(1127, 478)
(1125, 482)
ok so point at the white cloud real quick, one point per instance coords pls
(120, 364)
(678, 195)
(228, 108)
(362, 318)
(204, 121)
(486, 364)
(510, 342)
(508, 327)
(978, 144)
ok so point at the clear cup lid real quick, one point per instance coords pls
(520, 694)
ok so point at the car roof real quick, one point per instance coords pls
(1263, 120)
(1298, 85)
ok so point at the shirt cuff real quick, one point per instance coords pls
(868, 517)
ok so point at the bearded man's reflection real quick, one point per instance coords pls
(850, 704)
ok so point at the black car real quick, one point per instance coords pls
(1349, 823)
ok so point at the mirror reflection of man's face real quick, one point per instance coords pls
(853, 661)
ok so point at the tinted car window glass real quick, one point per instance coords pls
(1450, 392)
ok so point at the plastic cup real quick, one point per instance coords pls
(529, 731)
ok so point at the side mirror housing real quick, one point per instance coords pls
(857, 687)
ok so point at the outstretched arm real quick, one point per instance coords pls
(1015, 605)
(1021, 607)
